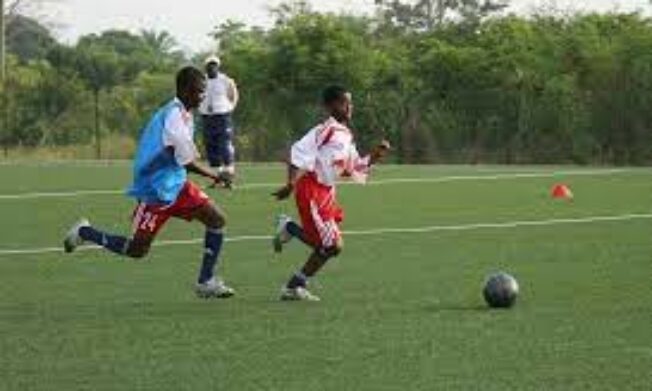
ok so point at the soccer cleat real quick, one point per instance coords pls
(281, 235)
(73, 239)
(230, 169)
(214, 288)
(297, 294)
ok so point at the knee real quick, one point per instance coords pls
(220, 221)
(217, 221)
(338, 247)
(331, 252)
(137, 251)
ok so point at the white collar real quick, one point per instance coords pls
(332, 121)
(179, 103)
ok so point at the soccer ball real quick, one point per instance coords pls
(500, 290)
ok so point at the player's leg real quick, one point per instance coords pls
(147, 221)
(313, 265)
(214, 221)
(208, 282)
(307, 194)
(225, 149)
(228, 152)
(83, 231)
(286, 229)
(330, 245)
(136, 247)
(211, 141)
(193, 204)
(140, 244)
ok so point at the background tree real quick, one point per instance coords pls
(468, 85)
(115, 58)
(28, 39)
(427, 15)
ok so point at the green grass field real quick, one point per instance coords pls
(400, 310)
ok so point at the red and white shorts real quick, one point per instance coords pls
(148, 219)
(319, 211)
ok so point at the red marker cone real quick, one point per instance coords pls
(561, 192)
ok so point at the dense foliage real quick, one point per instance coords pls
(458, 87)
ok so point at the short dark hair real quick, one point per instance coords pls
(333, 93)
(187, 76)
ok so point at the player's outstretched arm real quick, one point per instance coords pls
(379, 152)
(199, 168)
(294, 173)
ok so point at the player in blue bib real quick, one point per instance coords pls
(166, 153)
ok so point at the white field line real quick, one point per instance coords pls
(444, 179)
(59, 194)
(94, 163)
(379, 231)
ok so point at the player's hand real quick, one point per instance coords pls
(284, 192)
(380, 151)
(223, 180)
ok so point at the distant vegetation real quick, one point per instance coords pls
(456, 83)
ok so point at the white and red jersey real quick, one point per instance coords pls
(328, 150)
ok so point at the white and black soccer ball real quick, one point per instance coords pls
(500, 290)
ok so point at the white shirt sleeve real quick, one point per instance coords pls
(303, 154)
(178, 135)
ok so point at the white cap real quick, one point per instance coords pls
(211, 59)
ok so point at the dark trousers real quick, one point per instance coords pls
(218, 139)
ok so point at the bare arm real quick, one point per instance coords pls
(234, 94)
(177, 136)
(379, 152)
(294, 174)
(200, 169)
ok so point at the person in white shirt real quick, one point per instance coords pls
(220, 100)
(326, 153)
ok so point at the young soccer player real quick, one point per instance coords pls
(166, 153)
(324, 154)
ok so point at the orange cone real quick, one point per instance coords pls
(561, 192)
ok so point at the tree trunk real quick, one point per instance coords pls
(3, 58)
(4, 122)
(3, 75)
(98, 135)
